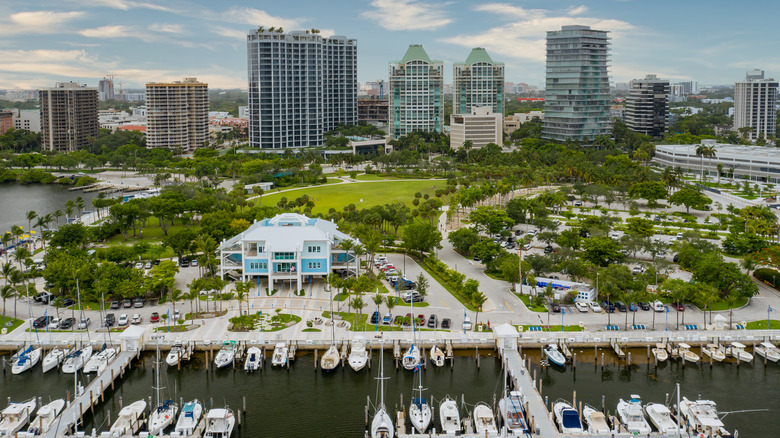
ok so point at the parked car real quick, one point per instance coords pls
(527, 247)
(679, 307)
(387, 319)
(556, 307)
(185, 263)
(621, 306)
(127, 303)
(42, 321)
(643, 305)
(67, 323)
(636, 270)
(608, 306)
(582, 307)
(433, 321)
(139, 302)
(420, 320)
(594, 307)
(633, 307)
(446, 323)
(67, 302)
(412, 296)
(466, 323)
(518, 233)
(658, 306)
(155, 317)
(548, 249)
(148, 265)
(110, 320)
(375, 317)
(43, 297)
(177, 315)
(115, 305)
(194, 263)
(139, 265)
(136, 319)
(54, 324)
(578, 203)
(84, 323)
(123, 320)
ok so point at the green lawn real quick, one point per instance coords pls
(181, 328)
(761, 325)
(527, 301)
(311, 330)
(400, 302)
(12, 324)
(722, 305)
(364, 325)
(339, 196)
(152, 231)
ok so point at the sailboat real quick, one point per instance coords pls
(226, 355)
(358, 355)
(164, 414)
(129, 420)
(630, 414)
(25, 359)
(189, 418)
(254, 357)
(381, 424)
(15, 416)
(45, 418)
(54, 358)
(449, 416)
(512, 410)
(100, 360)
(412, 357)
(330, 360)
(484, 422)
(420, 412)
(76, 360)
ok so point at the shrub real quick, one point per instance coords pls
(766, 275)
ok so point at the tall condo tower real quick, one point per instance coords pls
(478, 82)
(754, 105)
(69, 116)
(647, 106)
(415, 96)
(177, 114)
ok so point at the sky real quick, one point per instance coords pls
(138, 41)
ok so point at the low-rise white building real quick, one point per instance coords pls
(585, 292)
(512, 123)
(757, 163)
(481, 127)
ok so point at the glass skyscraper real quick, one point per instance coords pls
(415, 97)
(478, 82)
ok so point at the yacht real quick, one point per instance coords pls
(358, 355)
(175, 355)
(25, 359)
(381, 424)
(702, 417)
(737, 351)
(15, 416)
(768, 351)
(420, 413)
(54, 358)
(226, 354)
(684, 351)
(411, 359)
(330, 360)
(219, 423)
(129, 420)
(437, 356)
(76, 360)
(661, 417)
(597, 421)
(98, 362)
(484, 423)
(254, 357)
(631, 415)
(189, 418)
(162, 417)
(659, 352)
(279, 359)
(512, 409)
(449, 417)
(554, 355)
(567, 417)
(714, 352)
(45, 418)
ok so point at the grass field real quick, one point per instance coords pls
(527, 301)
(761, 325)
(339, 196)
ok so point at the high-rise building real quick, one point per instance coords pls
(69, 116)
(478, 82)
(300, 86)
(647, 106)
(177, 114)
(754, 105)
(416, 93)
(577, 99)
(106, 89)
(373, 111)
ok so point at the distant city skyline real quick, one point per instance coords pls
(139, 41)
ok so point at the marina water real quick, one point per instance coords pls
(18, 199)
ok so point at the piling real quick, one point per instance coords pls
(239, 418)
(629, 358)
(370, 355)
(120, 402)
(574, 361)
(315, 359)
(91, 404)
(108, 416)
(574, 399)
(648, 351)
(243, 398)
(368, 403)
(603, 401)
(602, 361)
(477, 357)
(533, 423)
(112, 379)
(102, 391)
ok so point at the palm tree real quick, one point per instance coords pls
(79, 205)
(6, 292)
(16, 278)
(704, 151)
(378, 300)
(57, 215)
(175, 295)
(192, 295)
(358, 304)
(706, 295)
(6, 239)
(359, 251)
(731, 301)
(30, 216)
(477, 300)
(720, 172)
(390, 302)
(242, 289)
(748, 264)
(41, 223)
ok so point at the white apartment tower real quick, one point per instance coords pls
(647, 106)
(416, 93)
(177, 114)
(478, 82)
(754, 105)
(300, 86)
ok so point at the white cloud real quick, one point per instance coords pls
(408, 15)
(256, 17)
(46, 22)
(579, 10)
(126, 5)
(167, 28)
(503, 9)
(115, 31)
(229, 33)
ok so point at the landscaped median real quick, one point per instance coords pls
(270, 322)
(549, 328)
(455, 282)
(532, 307)
(363, 326)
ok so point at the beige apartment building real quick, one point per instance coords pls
(177, 114)
(69, 116)
(481, 126)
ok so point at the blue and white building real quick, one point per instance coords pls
(288, 247)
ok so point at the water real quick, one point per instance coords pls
(17, 199)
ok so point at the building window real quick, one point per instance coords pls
(260, 249)
(315, 249)
(257, 265)
(315, 265)
(284, 256)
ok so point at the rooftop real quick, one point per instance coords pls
(479, 54)
(415, 52)
(285, 232)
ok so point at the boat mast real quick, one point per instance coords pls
(332, 327)
(679, 433)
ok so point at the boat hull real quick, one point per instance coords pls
(53, 359)
(382, 425)
(161, 419)
(26, 362)
(253, 358)
(449, 416)
(130, 419)
(189, 419)
(484, 422)
(46, 417)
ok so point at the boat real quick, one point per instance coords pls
(684, 351)
(411, 359)
(45, 418)
(554, 355)
(54, 358)
(381, 424)
(98, 362)
(25, 359)
(189, 418)
(702, 417)
(512, 411)
(76, 360)
(219, 423)
(737, 351)
(279, 359)
(226, 354)
(163, 415)
(567, 417)
(631, 415)
(330, 360)
(659, 352)
(130, 419)
(661, 417)
(254, 357)
(768, 351)
(437, 356)
(420, 413)
(484, 423)
(449, 417)
(358, 355)
(714, 352)
(597, 421)
(175, 355)
(16, 416)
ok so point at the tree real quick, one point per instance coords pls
(71, 236)
(477, 300)
(463, 239)
(161, 277)
(704, 151)
(649, 190)
(242, 289)
(6, 292)
(601, 250)
(390, 302)
(422, 284)
(706, 294)
(640, 226)
(422, 237)
(487, 251)
(192, 296)
(490, 220)
(679, 291)
(176, 295)
(689, 197)
(30, 216)
(179, 242)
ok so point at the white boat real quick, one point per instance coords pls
(130, 419)
(279, 359)
(219, 423)
(737, 351)
(15, 416)
(330, 360)
(45, 418)
(358, 355)
(254, 357)
(25, 359)
(597, 421)
(437, 356)
(381, 424)
(162, 417)
(449, 416)
(54, 358)
(226, 354)
(684, 351)
(189, 418)
(484, 423)
(512, 411)
(659, 352)
(661, 417)
(76, 360)
(702, 417)
(631, 415)
(715, 352)
(411, 359)
(554, 355)
(99, 361)
(767, 350)
(420, 413)
(567, 417)
(175, 355)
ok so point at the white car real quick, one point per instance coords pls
(527, 247)
(55, 324)
(177, 315)
(658, 306)
(594, 307)
(136, 319)
(139, 265)
(533, 232)
(123, 320)
(582, 307)
(636, 270)
(466, 323)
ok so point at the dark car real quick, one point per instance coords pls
(548, 249)
(643, 305)
(67, 323)
(155, 317)
(445, 323)
(607, 306)
(128, 303)
(556, 307)
(110, 320)
(42, 321)
(115, 305)
(621, 306)
(375, 317)
(676, 258)
(679, 307)
(185, 263)
(67, 302)
(518, 233)
(139, 302)
(433, 321)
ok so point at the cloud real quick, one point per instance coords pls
(115, 31)
(46, 22)
(229, 33)
(256, 17)
(126, 5)
(408, 15)
(167, 28)
(579, 10)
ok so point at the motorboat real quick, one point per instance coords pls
(54, 358)
(219, 423)
(381, 424)
(702, 416)
(554, 355)
(330, 360)
(737, 351)
(25, 359)
(484, 422)
(254, 357)
(512, 411)
(189, 418)
(597, 421)
(279, 359)
(76, 360)
(714, 352)
(567, 417)
(129, 420)
(661, 417)
(768, 351)
(631, 415)
(659, 352)
(99, 361)
(358, 355)
(45, 418)
(684, 351)
(175, 355)
(16, 416)
(437, 356)
(226, 355)
(449, 416)
(420, 413)
(162, 417)
(411, 359)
